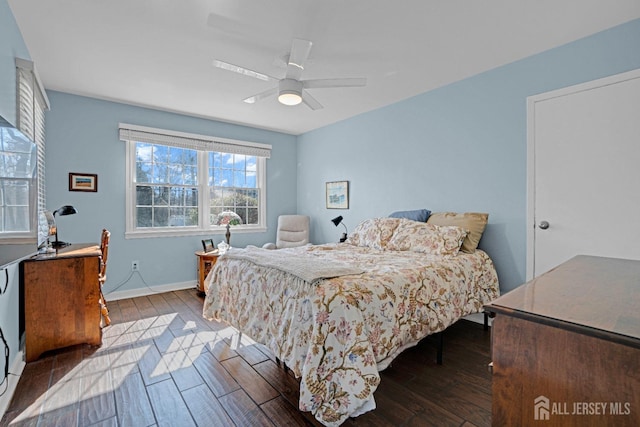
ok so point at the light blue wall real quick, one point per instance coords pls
(458, 148)
(12, 46)
(82, 136)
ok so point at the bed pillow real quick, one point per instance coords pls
(373, 233)
(427, 238)
(420, 215)
(474, 222)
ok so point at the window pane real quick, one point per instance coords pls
(176, 155)
(16, 218)
(160, 154)
(190, 175)
(226, 160)
(191, 216)
(160, 217)
(252, 163)
(144, 195)
(175, 174)
(239, 162)
(160, 196)
(238, 178)
(191, 197)
(177, 218)
(143, 217)
(143, 172)
(251, 179)
(15, 192)
(160, 174)
(177, 196)
(227, 178)
(144, 152)
(252, 216)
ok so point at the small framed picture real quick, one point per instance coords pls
(83, 182)
(208, 245)
(338, 195)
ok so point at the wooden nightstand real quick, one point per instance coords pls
(206, 261)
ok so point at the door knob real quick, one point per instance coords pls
(543, 225)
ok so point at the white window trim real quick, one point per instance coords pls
(202, 228)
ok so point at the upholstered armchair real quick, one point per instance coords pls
(293, 230)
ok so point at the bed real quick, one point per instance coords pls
(338, 314)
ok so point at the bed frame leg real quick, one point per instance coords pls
(487, 315)
(281, 363)
(440, 344)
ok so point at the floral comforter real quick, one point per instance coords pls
(337, 334)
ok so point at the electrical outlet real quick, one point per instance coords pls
(135, 265)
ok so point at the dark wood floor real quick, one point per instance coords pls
(161, 364)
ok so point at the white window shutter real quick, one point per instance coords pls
(32, 102)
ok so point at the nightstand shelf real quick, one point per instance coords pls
(206, 261)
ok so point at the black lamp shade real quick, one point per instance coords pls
(65, 210)
(337, 220)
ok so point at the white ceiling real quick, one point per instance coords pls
(159, 53)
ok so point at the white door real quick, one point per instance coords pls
(584, 172)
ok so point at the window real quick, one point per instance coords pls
(181, 184)
(17, 178)
(22, 184)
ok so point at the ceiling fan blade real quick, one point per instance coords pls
(240, 70)
(321, 83)
(310, 101)
(299, 53)
(262, 95)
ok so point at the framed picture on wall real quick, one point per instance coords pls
(208, 245)
(337, 195)
(83, 182)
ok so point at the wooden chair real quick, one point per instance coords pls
(102, 274)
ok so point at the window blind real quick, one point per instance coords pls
(32, 102)
(26, 101)
(192, 141)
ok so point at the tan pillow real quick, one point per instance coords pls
(373, 233)
(426, 238)
(474, 222)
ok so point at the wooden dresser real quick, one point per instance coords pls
(59, 294)
(566, 347)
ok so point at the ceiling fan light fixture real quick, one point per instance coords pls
(290, 92)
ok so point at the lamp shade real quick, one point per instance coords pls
(337, 220)
(228, 218)
(65, 210)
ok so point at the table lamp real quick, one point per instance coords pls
(337, 221)
(228, 218)
(62, 211)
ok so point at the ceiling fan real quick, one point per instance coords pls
(291, 90)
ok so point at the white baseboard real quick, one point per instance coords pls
(149, 290)
(16, 368)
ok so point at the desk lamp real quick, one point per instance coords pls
(337, 221)
(64, 210)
